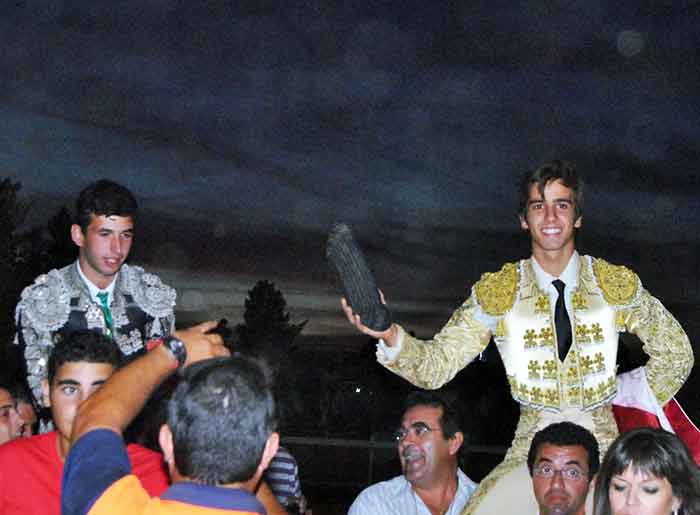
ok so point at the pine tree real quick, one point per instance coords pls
(266, 321)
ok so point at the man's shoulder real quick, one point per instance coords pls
(495, 292)
(35, 449)
(465, 484)
(45, 303)
(384, 491)
(138, 452)
(618, 284)
(148, 291)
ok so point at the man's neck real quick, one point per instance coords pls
(440, 495)
(100, 282)
(553, 262)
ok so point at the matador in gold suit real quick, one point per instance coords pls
(559, 353)
(514, 305)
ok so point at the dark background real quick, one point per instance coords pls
(246, 129)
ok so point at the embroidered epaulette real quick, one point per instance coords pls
(149, 292)
(45, 305)
(618, 284)
(496, 292)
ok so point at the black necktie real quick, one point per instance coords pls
(561, 321)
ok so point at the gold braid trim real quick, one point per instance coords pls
(618, 283)
(496, 292)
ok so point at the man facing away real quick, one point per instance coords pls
(563, 459)
(31, 468)
(429, 441)
(218, 439)
(555, 319)
(99, 291)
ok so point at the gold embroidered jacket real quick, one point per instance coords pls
(510, 306)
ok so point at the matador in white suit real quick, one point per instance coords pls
(559, 353)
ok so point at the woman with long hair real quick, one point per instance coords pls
(647, 472)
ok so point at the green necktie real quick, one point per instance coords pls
(103, 296)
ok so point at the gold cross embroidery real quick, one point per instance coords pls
(597, 332)
(537, 395)
(534, 368)
(550, 369)
(582, 332)
(546, 337)
(530, 339)
(586, 365)
(579, 301)
(599, 362)
(542, 304)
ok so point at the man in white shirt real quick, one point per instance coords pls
(99, 291)
(555, 319)
(429, 441)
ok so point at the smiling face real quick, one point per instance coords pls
(73, 383)
(427, 457)
(551, 219)
(560, 479)
(640, 493)
(104, 246)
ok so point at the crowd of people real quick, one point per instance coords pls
(106, 363)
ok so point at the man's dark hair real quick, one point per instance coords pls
(449, 418)
(548, 172)
(19, 391)
(564, 434)
(83, 346)
(104, 198)
(221, 415)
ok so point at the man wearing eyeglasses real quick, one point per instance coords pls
(428, 441)
(562, 460)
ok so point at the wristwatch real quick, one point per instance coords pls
(177, 349)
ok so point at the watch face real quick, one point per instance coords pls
(177, 347)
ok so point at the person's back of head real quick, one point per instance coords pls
(221, 418)
(643, 459)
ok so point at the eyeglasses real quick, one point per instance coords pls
(419, 430)
(567, 473)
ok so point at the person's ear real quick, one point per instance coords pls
(271, 446)
(165, 439)
(45, 393)
(76, 234)
(523, 223)
(578, 222)
(455, 442)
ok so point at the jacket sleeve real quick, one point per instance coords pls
(670, 354)
(429, 364)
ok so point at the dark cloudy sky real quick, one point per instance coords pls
(247, 128)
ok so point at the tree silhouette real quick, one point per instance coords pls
(266, 322)
(16, 256)
(61, 250)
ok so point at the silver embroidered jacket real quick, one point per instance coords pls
(59, 303)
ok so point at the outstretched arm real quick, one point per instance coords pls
(120, 399)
